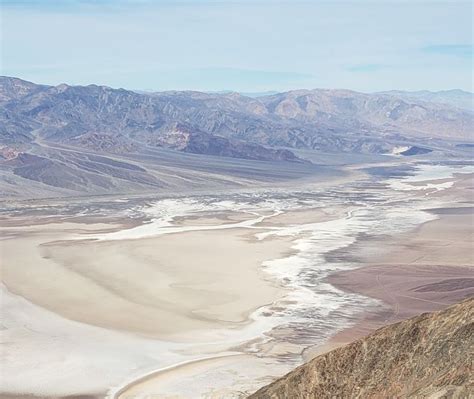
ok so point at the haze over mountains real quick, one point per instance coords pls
(457, 98)
(75, 139)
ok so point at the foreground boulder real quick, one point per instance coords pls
(428, 356)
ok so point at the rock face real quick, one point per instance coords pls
(426, 356)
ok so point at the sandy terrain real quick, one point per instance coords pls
(170, 313)
(192, 280)
(178, 286)
(216, 376)
(421, 271)
(300, 216)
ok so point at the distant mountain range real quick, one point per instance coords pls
(40, 121)
(224, 124)
(456, 98)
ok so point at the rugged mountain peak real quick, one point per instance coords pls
(15, 88)
(61, 87)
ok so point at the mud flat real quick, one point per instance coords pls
(420, 271)
(130, 306)
(214, 296)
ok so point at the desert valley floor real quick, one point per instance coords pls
(215, 295)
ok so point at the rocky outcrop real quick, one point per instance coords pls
(429, 356)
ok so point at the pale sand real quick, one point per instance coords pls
(289, 217)
(155, 286)
(217, 377)
(193, 282)
(303, 216)
(120, 295)
(188, 287)
(212, 218)
(45, 355)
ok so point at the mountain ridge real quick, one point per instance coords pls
(55, 126)
(326, 120)
(454, 97)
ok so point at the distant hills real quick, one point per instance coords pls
(39, 122)
(456, 98)
(226, 124)
(423, 357)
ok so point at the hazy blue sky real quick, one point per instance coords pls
(240, 45)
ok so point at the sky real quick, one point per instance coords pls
(240, 45)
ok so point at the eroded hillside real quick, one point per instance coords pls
(427, 356)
